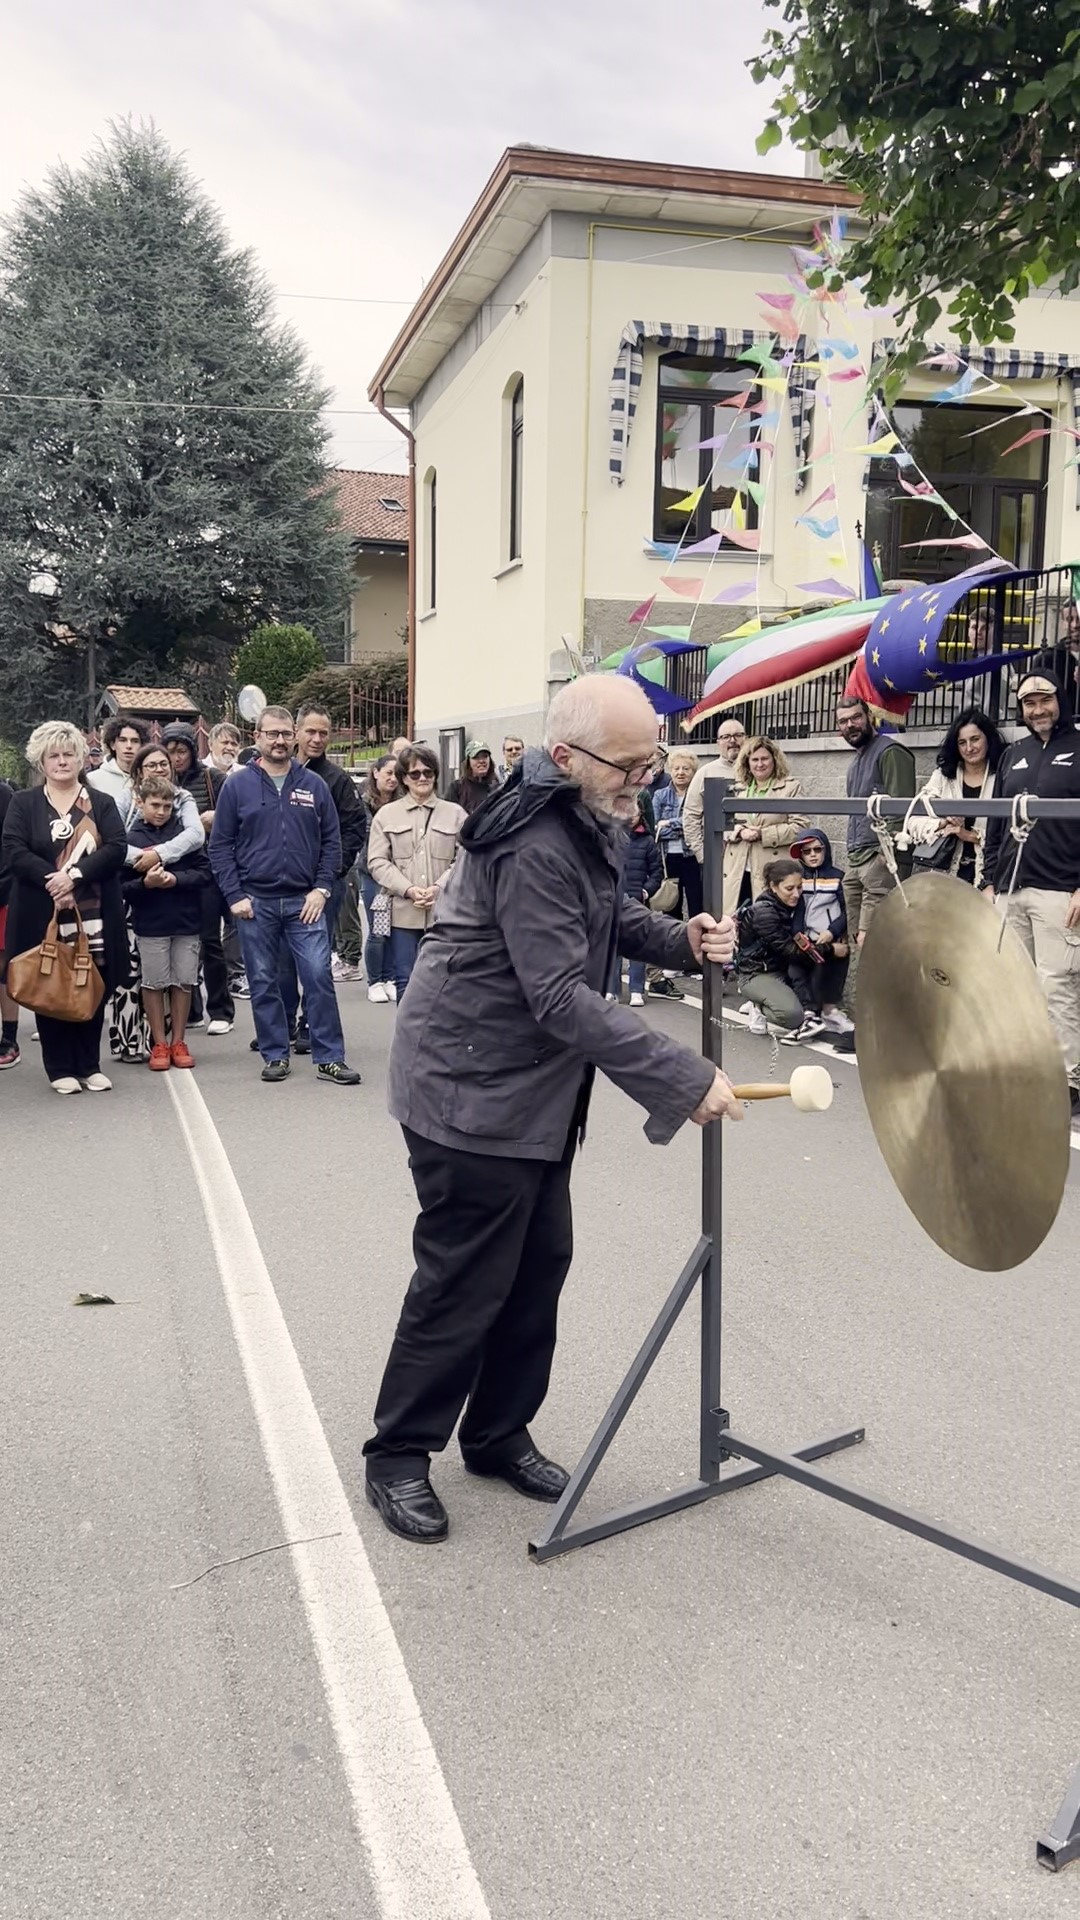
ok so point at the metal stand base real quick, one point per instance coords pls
(1061, 1841)
(716, 1445)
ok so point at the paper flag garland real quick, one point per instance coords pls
(642, 613)
(756, 491)
(783, 302)
(688, 589)
(846, 349)
(711, 545)
(848, 373)
(1036, 433)
(827, 493)
(742, 538)
(835, 589)
(959, 389)
(744, 591)
(688, 504)
(960, 540)
(662, 549)
(670, 633)
(738, 514)
(875, 449)
(824, 529)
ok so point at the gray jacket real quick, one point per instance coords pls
(504, 1022)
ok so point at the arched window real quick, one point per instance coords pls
(430, 540)
(517, 448)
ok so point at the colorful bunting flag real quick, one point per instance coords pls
(875, 449)
(848, 373)
(741, 537)
(738, 514)
(688, 589)
(846, 349)
(961, 540)
(756, 491)
(824, 529)
(670, 633)
(833, 589)
(642, 613)
(959, 389)
(783, 302)
(1036, 433)
(687, 504)
(827, 493)
(729, 594)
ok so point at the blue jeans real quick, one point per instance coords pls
(277, 926)
(287, 979)
(376, 947)
(637, 976)
(404, 942)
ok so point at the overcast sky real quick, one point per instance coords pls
(346, 140)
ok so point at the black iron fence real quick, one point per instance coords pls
(1036, 610)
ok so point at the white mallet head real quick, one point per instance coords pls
(811, 1089)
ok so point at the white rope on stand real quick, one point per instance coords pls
(885, 839)
(1021, 826)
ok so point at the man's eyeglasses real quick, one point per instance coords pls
(275, 733)
(638, 770)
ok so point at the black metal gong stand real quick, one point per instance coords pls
(718, 1442)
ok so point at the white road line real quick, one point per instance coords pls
(419, 1859)
(848, 1059)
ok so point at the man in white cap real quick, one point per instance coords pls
(1044, 873)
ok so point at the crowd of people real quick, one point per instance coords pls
(273, 875)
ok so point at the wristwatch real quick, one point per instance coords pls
(327, 892)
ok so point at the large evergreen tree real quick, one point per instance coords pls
(162, 445)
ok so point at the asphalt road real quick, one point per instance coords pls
(766, 1707)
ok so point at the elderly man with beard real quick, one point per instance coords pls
(497, 1043)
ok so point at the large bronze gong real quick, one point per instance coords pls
(962, 1076)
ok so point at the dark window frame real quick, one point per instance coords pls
(431, 539)
(517, 455)
(700, 521)
(896, 564)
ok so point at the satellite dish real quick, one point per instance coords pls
(251, 701)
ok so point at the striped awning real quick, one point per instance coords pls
(723, 343)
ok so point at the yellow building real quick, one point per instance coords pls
(374, 508)
(573, 349)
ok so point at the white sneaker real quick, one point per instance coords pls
(837, 1022)
(758, 1022)
(378, 994)
(66, 1085)
(97, 1083)
(611, 996)
(220, 1026)
(196, 1026)
(390, 990)
(637, 999)
(338, 969)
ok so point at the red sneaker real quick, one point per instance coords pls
(160, 1060)
(180, 1056)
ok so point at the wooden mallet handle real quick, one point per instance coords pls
(809, 1089)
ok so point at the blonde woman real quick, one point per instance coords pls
(756, 838)
(668, 803)
(64, 847)
(411, 849)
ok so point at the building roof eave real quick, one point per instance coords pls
(529, 183)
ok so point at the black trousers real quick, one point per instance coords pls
(71, 1049)
(219, 1001)
(684, 868)
(493, 1244)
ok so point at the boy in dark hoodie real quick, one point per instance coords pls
(822, 916)
(1044, 872)
(166, 913)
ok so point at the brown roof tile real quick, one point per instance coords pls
(360, 495)
(153, 699)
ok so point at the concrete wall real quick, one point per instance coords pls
(378, 605)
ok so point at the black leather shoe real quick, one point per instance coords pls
(411, 1508)
(531, 1474)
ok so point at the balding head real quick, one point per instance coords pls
(601, 730)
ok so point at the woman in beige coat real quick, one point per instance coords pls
(755, 839)
(411, 849)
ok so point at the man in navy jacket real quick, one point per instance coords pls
(275, 850)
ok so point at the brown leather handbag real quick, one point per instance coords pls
(57, 978)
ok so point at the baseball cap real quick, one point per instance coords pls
(1034, 683)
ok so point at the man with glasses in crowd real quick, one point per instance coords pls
(496, 1046)
(512, 749)
(275, 850)
(730, 741)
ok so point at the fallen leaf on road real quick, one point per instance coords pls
(93, 1300)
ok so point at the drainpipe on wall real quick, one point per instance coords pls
(379, 397)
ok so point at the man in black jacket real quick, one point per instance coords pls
(495, 1049)
(312, 736)
(1044, 872)
(204, 783)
